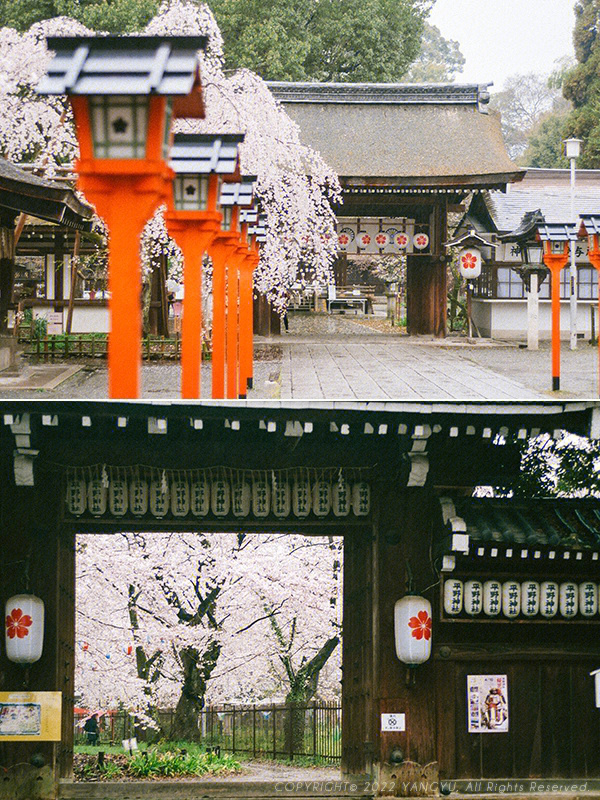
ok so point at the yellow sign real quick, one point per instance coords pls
(30, 716)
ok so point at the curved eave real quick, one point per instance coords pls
(52, 204)
(416, 183)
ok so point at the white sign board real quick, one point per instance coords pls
(55, 322)
(393, 722)
(487, 703)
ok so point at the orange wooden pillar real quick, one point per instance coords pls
(221, 251)
(555, 262)
(125, 193)
(233, 325)
(594, 257)
(247, 322)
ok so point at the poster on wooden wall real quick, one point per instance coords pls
(30, 716)
(487, 703)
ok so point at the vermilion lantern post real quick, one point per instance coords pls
(590, 227)
(124, 92)
(224, 254)
(532, 236)
(193, 220)
(256, 234)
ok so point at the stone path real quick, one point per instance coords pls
(337, 357)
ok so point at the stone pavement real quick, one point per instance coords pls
(339, 357)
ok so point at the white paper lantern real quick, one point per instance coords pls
(453, 597)
(530, 598)
(241, 498)
(138, 497)
(492, 598)
(159, 499)
(588, 599)
(97, 497)
(261, 497)
(301, 497)
(321, 500)
(511, 599)
(180, 498)
(473, 598)
(282, 499)
(24, 634)
(118, 497)
(220, 497)
(341, 499)
(413, 628)
(549, 599)
(469, 263)
(200, 496)
(76, 497)
(569, 599)
(361, 499)
(420, 241)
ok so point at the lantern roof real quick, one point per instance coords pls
(470, 239)
(238, 194)
(203, 153)
(122, 65)
(589, 225)
(249, 215)
(534, 226)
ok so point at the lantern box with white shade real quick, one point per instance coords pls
(361, 499)
(588, 599)
(511, 599)
(473, 597)
(470, 256)
(492, 598)
(568, 599)
(530, 598)
(549, 599)
(24, 633)
(413, 629)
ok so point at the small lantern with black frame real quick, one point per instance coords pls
(470, 257)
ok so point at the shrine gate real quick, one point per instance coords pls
(410, 470)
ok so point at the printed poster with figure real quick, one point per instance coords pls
(487, 703)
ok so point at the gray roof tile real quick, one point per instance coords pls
(200, 153)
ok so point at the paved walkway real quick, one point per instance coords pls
(338, 357)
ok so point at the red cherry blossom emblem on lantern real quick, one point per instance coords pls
(343, 239)
(381, 239)
(421, 241)
(421, 626)
(17, 624)
(401, 240)
(365, 239)
(468, 261)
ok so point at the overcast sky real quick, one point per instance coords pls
(499, 38)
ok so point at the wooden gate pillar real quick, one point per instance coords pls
(39, 558)
(426, 281)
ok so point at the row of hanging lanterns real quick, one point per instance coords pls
(399, 239)
(258, 494)
(512, 598)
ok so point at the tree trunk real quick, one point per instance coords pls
(197, 670)
(303, 688)
(7, 268)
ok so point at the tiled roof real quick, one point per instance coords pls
(550, 523)
(136, 65)
(201, 153)
(454, 93)
(20, 191)
(237, 194)
(508, 209)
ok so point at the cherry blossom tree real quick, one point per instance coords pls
(174, 620)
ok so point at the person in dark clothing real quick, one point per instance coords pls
(92, 729)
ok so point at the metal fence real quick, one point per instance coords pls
(275, 731)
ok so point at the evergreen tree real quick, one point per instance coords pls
(582, 83)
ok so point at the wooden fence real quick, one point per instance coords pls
(275, 731)
(83, 345)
